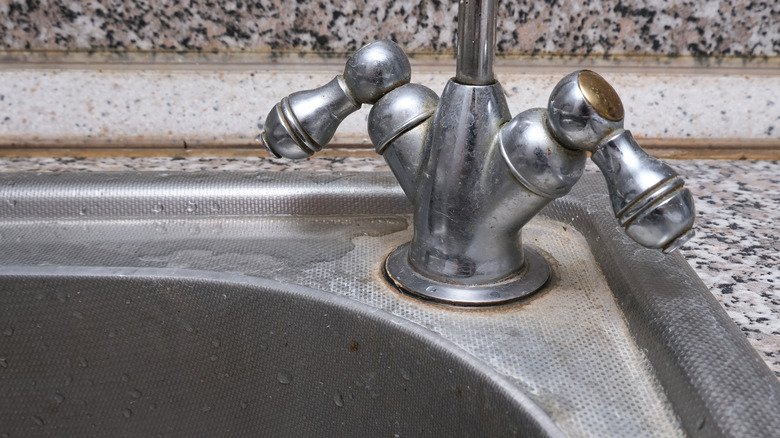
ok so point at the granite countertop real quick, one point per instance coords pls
(567, 26)
(736, 251)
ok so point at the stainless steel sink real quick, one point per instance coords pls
(148, 304)
(147, 352)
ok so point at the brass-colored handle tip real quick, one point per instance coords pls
(601, 96)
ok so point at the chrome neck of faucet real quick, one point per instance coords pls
(476, 42)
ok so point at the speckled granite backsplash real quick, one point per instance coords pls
(657, 27)
(140, 74)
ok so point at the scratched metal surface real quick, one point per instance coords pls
(570, 348)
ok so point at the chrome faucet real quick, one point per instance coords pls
(474, 175)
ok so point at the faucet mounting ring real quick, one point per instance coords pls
(532, 278)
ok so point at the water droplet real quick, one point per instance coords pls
(5, 435)
(3, 363)
(224, 296)
(153, 406)
(431, 289)
(188, 326)
(8, 331)
(160, 228)
(83, 211)
(215, 207)
(244, 405)
(11, 202)
(157, 209)
(283, 378)
(338, 399)
(195, 229)
(58, 398)
(213, 357)
(406, 374)
(135, 393)
(205, 408)
(78, 315)
(215, 342)
(38, 420)
(68, 378)
(83, 362)
(127, 413)
(112, 333)
(62, 297)
(263, 347)
(192, 206)
(125, 377)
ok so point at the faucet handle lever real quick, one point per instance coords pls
(303, 122)
(648, 197)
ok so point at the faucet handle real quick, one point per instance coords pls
(648, 197)
(303, 122)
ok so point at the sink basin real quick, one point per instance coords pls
(151, 304)
(147, 352)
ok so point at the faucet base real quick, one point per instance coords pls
(531, 279)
